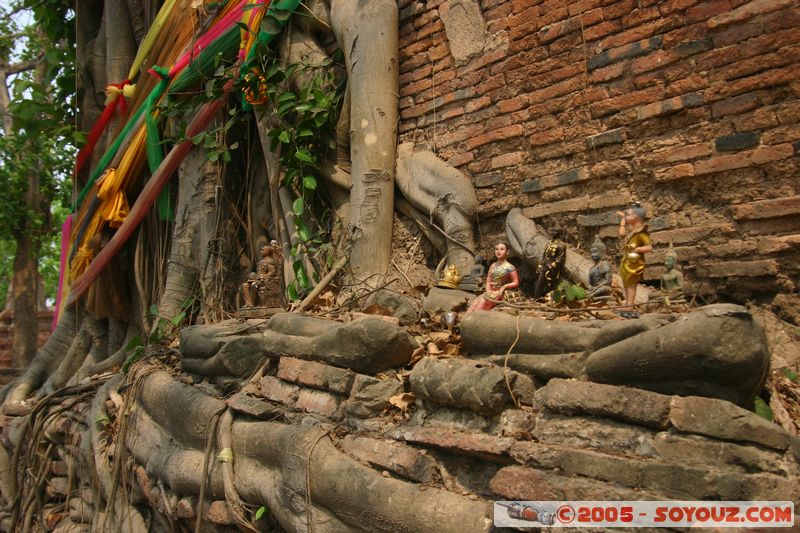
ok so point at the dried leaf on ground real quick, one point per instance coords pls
(402, 401)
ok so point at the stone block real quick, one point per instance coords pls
(321, 403)
(726, 421)
(737, 141)
(316, 375)
(477, 445)
(440, 300)
(276, 390)
(370, 396)
(637, 406)
(246, 404)
(465, 28)
(398, 458)
(603, 435)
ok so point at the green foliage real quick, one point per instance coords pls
(38, 137)
(305, 122)
(789, 373)
(260, 512)
(568, 293)
(762, 408)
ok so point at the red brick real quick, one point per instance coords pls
(607, 73)
(707, 10)
(749, 10)
(531, 14)
(495, 135)
(459, 134)
(625, 101)
(401, 459)
(619, 9)
(670, 105)
(763, 80)
(318, 402)
(547, 137)
(564, 206)
(582, 6)
(693, 234)
(414, 88)
(472, 444)
(673, 173)
(774, 245)
(758, 156)
(733, 35)
(438, 52)
(592, 94)
(513, 104)
(316, 375)
(681, 153)
(694, 83)
(495, 82)
(276, 390)
(673, 6)
(762, 118)
(459, 160)
(500, 11)
(644, 31)
(788, 133)
(657, 59)
(640, 16)
(737, 104)
(507, 160)
(601, 30)
(557, 89)
(775, 207)
(763, 267)
(476, 104)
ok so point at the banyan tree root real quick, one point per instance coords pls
(443, 193)
(367, 33)
(718, 351)
(277, 464)
(46, 361)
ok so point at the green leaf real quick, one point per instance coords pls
(285, 137)
(300, 272)
(310, 183)
(298, 207)
(287, 97)
(305, 133)
(789, 374)
(302, 108)
(260, 512)
(177, 319)
(153, 309)
(305, 156)
(575, 292)
(303, 232)
(291, 291)
(226, 156)
(762, 409)
(213, 155)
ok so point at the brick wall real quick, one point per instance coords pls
(7, 338)
(575, 108)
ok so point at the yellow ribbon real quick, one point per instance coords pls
(83, 257)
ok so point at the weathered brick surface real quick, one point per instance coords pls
(45, 318)
(693, 102)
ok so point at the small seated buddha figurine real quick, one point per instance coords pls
(600, 274)
(473, 281)
(501, 282)
(672, 280)
(551, 267)
(631, 269)
(263, 287)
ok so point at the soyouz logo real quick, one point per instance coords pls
(759, 514)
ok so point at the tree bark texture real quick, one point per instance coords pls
(367, 34)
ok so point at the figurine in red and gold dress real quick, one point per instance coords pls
(500, 282)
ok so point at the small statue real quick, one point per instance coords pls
(263, 287)
(550, 269)
(631, 268)
(600, 274)
(450, 278)
(672, 280)
(501, 283)
(473, 281)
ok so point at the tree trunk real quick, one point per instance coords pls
(24, 282)
(367, 34)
